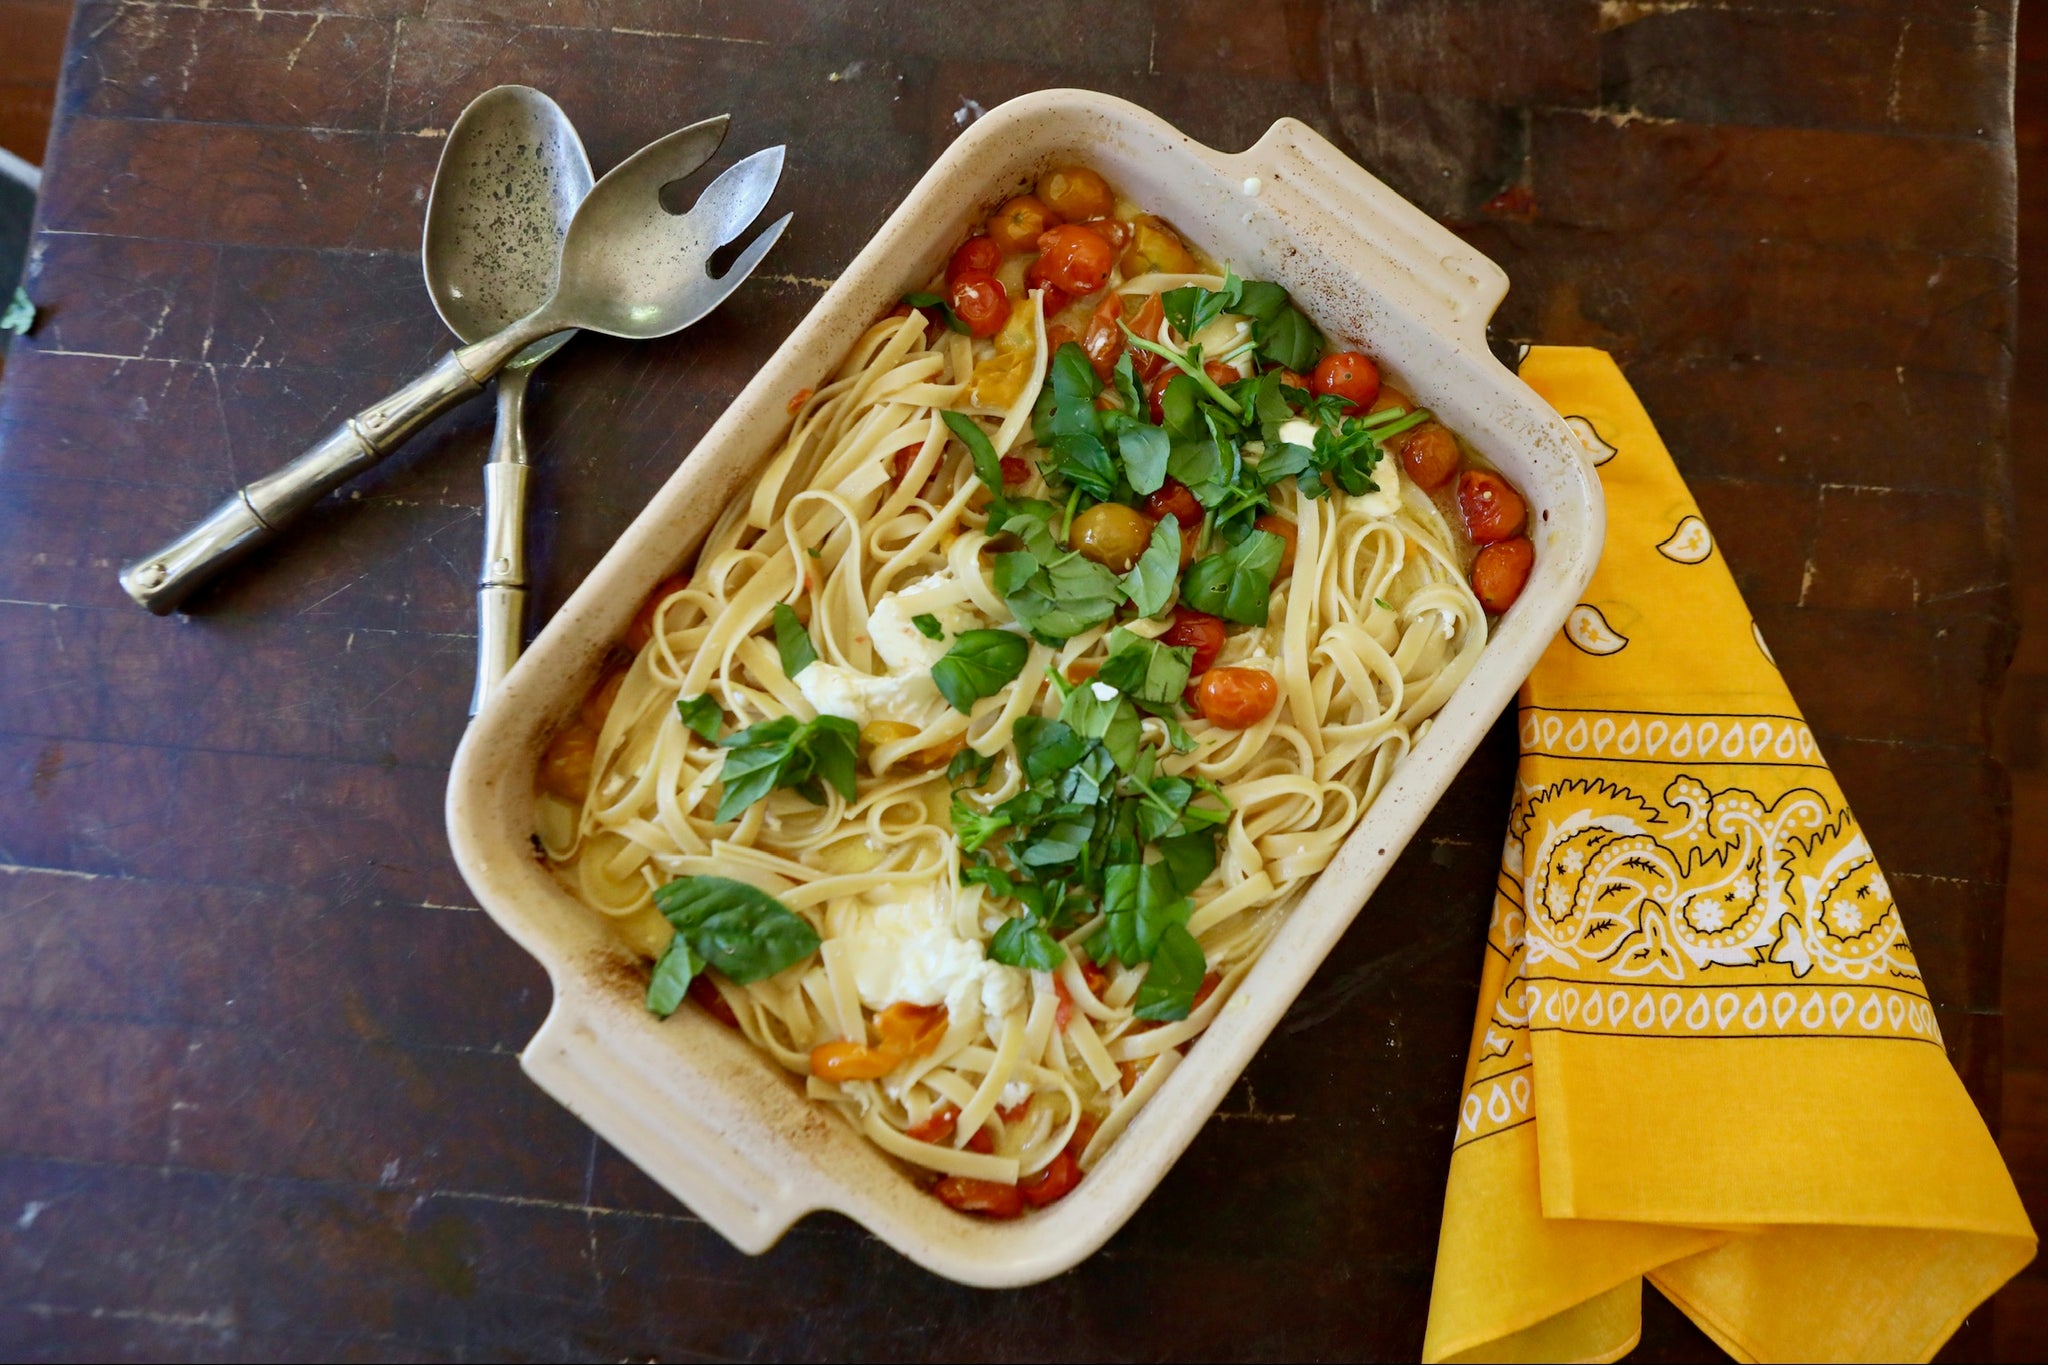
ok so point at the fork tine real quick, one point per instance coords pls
(751, 257)
(738, 195)
(670, 157)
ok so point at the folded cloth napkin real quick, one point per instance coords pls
(1704, 1054)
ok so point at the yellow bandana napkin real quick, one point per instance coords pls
(1704, 1054)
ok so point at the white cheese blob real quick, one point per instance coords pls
(903, 947)
(904, 691)
(1299, 431)
(1014, 1094)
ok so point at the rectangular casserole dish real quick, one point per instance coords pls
(692, 1103)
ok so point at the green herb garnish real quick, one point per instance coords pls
(1149, 584)
(929, 300)
(741, 930)
(1237, 582)
(987, 467)
(785, 753)
(928, 626)
(792, 641)
(980, 664)
(701, 714)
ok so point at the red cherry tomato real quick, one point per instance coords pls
(1052, 298)
(1430, 455)
(1112, 230)
(1500, 573)
(983, 1142)
(1105, 339)
(1350, 375)
(1155, 394)
(1174, 500)
(1052, 1184)
(981, 302)
(1493, 511)
(1020, 222)
(1208, 988)
(976, 253)
(1075, 258)
(1205, 632)
(1291, 380)
(985, 1197)
(711, 1002)
(1220, 374)
(937, 1126)
(1015, 470)
(1235, 698)
(1146, 324)
(1288, 532)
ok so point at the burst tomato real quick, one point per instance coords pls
(1175, 500)
(1429, 454)
(937, 1125)
(1016, 470)
(1075, 258)
(1146, 324)
(711, 1002)
(1105, 339)
(980, 301)
(1288, 532)
(1052, 1184)
(1493, 511)
(976, 253)
(1350, 375)
(1020, 222)
(1501, 571)
(1236, 698)
(985, 1197)
(1205, 632)
(1074, 193)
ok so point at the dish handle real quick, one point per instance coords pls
(603, 1074)
(1435, 274)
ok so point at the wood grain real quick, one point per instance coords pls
(257, 1050)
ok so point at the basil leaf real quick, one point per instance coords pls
(1056, 843)
(970, 766)
(928, 626)
(673, 972)
(1144, 450)
(1188, 859)
(1047, 747)
(1180, 407)
(1140, 904)
(1073, 383)
(1146, 669)
(1261, 300)
(929, 300)
(1199, 465)
(1084, 782)
(1289, 340)
(1174, 979)
(1125, 379)
(1024, 942)
(740, 929)
(1082, 461)
(792, 641)
(1282, 459)
(1150, 582)
(1236, 584)
(987, 467)
(783, 753)
(701, 714)
(980, 664)
(1110, 719)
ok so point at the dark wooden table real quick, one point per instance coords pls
(258, 1085)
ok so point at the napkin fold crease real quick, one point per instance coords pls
(1704, 1055)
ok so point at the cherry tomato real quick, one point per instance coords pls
(1289, 379)
(711, 1002)
(985, 1197)
(1391, 399)
(1052, 1184)
(910, 1030)
(844, 1061)
(1020, 222)
(1064, 1015)
(1208, 988)
(598, 704)
(1206, 633)
(1074, 193)
(980, 301)
(1016, 469)
(1350, 375)
(1081, 670)
(1501, 571)
(1058, 335)
(566, 767)
(797, 400)
(1236, 697)
(1430, 455)
(976, 253)
(1146, 324)
(903, 459)
(1220, 374)
(937, 1125)
(1014, 1112)
(1111, 534)
(935, 756)
(642, 628)
(1288, 532)
(1155, 393)
(1052, 298)
(1097, 979)
(983, 1141)
(1174, 500)
(1493, 511)
(1105, 339)
(1112, 230)
(1075, 258)
(1156, 249)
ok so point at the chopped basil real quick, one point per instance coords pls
(1111, 719)
(792, 641)
(1144, 450)
(1151, 580)
(1140, 902)
(928, 626)
(980, 664)
(1025, 942)
(701, 714)
(987, 467)
(1173, 979)
(784, 753)
(1146, 669)
(1237, 582)
(744, 932)
(1053, 592)
(1290, 341)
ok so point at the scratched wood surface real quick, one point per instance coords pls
(259, 1093)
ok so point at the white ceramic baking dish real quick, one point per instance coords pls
(719, 1125)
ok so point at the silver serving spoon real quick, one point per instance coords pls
(511, 175)
(630, 268)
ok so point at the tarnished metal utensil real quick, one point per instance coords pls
(511, 175)
(629, 268)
